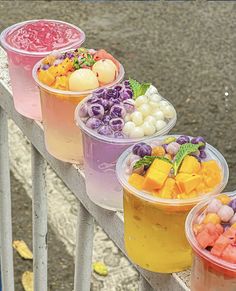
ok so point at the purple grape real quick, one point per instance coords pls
(69, 55)
(126, 94)
(83, 112)
(45, 67)
(197, 140)
(129, 105)
(117, 111)
(96, 110)
(137, 146)
(105, 103)
(126, 83)
(93, 123)
(111, 93)
(145, 150)
(119, 134)
(114, 101)
(95, 99)
(100, 93)
(106, 119)
(105, 130)
(118, 87)
(165, 145)
(183, 139)
(117, 123)
(202, 154)
(232, 204)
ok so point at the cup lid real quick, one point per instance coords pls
(212, 153)
(193, 214)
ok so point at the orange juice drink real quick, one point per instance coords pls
(64, 79)
(162, 180)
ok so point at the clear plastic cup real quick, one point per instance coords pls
(21, 62)
(154, 227)
(100, 156)
(62, 136)
(209, 273)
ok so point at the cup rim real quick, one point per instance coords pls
(167, 201)
(7, 46)
(74, 93)
(193, 242)
(127, 141)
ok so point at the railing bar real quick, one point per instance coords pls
(84, 249)
(144, 285)
(39, 208)
(7, 269)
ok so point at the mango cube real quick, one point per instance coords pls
(190, 165)
(136, 181)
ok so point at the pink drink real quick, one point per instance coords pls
(28, 42)
(209, 273)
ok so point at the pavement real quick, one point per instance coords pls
(187, 50)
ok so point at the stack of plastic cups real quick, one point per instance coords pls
(21, 62)
(154, 227)
(209, 273)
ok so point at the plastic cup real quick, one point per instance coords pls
(100, 156)
(62, 136)
(209, 273)
(154, 227)
(21, 62)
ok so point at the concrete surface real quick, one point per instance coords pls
(187, 50)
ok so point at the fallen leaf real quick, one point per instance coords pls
(22, 249)
(100, 268)
(27, 281)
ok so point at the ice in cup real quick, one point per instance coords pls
(211, 231)
(28, 42)
(163, 179)
(64, 79)
(111, 120)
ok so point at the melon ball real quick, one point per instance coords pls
(83, 80)
(105, 71)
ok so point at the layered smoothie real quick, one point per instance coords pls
(26, 43)
(111, 120)
(162, 180)
(64, 79)
(211, 231)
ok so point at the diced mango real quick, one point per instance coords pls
(61, 83)
(154, 180)
(211, 173)
(182, 177)
(46, 77)
(161, 166)
(190, 165)
(136, 181)
(167, 190)
(189, 184)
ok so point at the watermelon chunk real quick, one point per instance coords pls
(205, 239)
(221, 243)
(229, 254)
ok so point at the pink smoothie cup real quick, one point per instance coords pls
(21, 62)
(209, 273)
(62, 137)
(100, 156)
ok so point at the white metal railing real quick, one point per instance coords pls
(73, 177)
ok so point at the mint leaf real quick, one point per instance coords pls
(184, 150)
(76, 64)
(148, 160)
(137, 88)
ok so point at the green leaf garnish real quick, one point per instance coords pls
(184, 150)
(137, 88)
(148, 160)
(87, 61)
(76, 64)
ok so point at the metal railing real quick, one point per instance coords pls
(73, 177)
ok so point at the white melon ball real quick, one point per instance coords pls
(140, 100)
(105, 71)
(158, 115)
(83, 80)
(127, 117)
(168, 111)
(137, 117)
(155, 98)
(145, 109)
(151, 119)
(163, 104)
(160, 124)
(137, 132)
(151, 90)
(128, 127)
(148, 128)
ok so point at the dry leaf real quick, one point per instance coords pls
(27, 281)
(23, 250)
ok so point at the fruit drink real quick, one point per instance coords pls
(64, 79)
(163, 178)
(211, 231)
(28, 42)
(111, 120)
